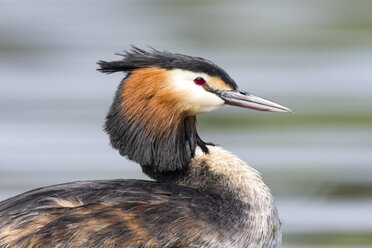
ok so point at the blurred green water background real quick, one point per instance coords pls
(312, 56)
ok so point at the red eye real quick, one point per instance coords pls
(199, 81)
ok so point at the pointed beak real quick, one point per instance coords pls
(247, 100)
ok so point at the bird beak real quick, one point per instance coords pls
(247, 100)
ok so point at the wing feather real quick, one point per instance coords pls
(116, 213)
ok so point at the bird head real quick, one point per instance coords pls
(152, 118)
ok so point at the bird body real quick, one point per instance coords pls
(216, 205)
(202, 196)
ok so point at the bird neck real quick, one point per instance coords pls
(150, 125)
(157, 136)
(246, 200)
(221, 173)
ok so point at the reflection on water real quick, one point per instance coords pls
(314, 57)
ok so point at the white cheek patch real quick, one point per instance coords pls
(194, 97)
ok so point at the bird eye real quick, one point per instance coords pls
(199, 81)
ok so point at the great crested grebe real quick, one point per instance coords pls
(202, 196)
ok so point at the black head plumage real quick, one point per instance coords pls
(137, 58)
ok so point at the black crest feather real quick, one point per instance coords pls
(137, 58)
